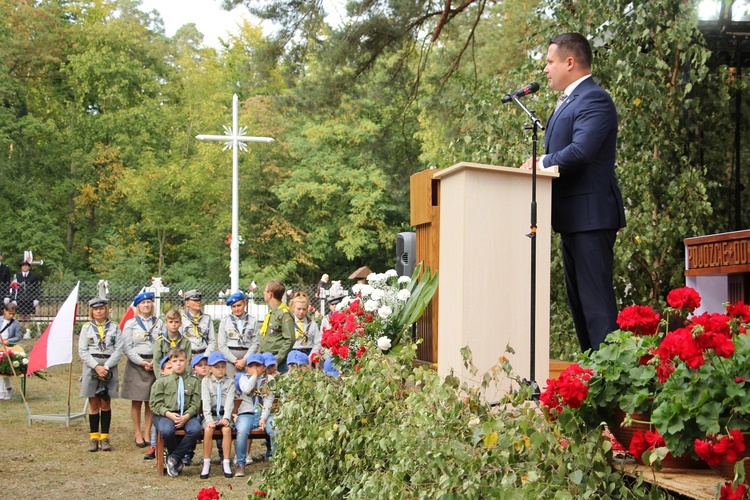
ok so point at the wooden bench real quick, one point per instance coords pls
(180, 433)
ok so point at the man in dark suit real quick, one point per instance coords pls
(587, 207)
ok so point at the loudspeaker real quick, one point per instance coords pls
(406, 253)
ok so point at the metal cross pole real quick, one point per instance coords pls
(234, 138)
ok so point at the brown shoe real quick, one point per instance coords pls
(240, 471)
(93, 444)
(105, 445)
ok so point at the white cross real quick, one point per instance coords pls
(235, 139)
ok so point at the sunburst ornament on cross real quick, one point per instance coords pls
(236, 139)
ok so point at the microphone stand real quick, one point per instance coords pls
(534, 127)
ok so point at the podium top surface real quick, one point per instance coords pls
(464, 165)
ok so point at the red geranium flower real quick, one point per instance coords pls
(570, 389)
(739, 309)
(209, 494)
(641, 320)
(643, 441)
(728, 493)
(684, 298)
(716, 449)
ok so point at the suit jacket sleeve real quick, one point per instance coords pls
(593, 117)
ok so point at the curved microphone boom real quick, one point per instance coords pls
(528, 89)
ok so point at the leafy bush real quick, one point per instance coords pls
(390, 429)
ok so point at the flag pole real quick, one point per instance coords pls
(70, 366)
(58, 333)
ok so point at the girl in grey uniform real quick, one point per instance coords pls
(197, 326)
(100, 349)
(238, 335)
(139, 334)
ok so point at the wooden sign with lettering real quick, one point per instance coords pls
(726, 253)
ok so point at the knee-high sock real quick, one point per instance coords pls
(106, 416)
(94, 425)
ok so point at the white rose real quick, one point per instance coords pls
(391, 273)
(403, 295)
(371, 305)
(404, 279)
(15, 364)
(384, 343)
(384, 312)
(25, 361)
(377, 294)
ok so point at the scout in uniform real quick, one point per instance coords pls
(197, 326)
(238, 338)
(306, 332)
(175, 398)
(217, 394)
(277, 332)
(254, 409)
(139, 334)
(100, 349)
(172, 337)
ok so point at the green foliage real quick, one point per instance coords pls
(392, 430)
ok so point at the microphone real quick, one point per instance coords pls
(528, 89)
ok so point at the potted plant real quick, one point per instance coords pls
(676, 381)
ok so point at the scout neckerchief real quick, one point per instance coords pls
(101, 330)
(301, 327)
(195, 325)
(148, 331)
(172, 342)
(243, 328)
(267, 320)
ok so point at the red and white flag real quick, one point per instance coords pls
(55, 346)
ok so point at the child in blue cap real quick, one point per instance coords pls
(217, 394)
(255, 407)
(298, 360)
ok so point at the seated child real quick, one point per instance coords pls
(217, 392)
(298, 360)
(199, 364)
(172, 337)
(329, 369)
(255, 407)
(165, 368)
(176, 397)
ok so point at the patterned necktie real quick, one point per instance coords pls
(561, 100)
(181, 394)
(218, 398)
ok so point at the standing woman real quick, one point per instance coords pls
(197, 326)
(100, 349)
(139, 334)
(238, 335)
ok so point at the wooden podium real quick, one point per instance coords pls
(485, 264)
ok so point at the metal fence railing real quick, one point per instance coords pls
(51, 296)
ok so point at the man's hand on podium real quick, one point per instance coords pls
(540, 166)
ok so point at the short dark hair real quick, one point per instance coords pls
(576, 45)
(276, 288)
